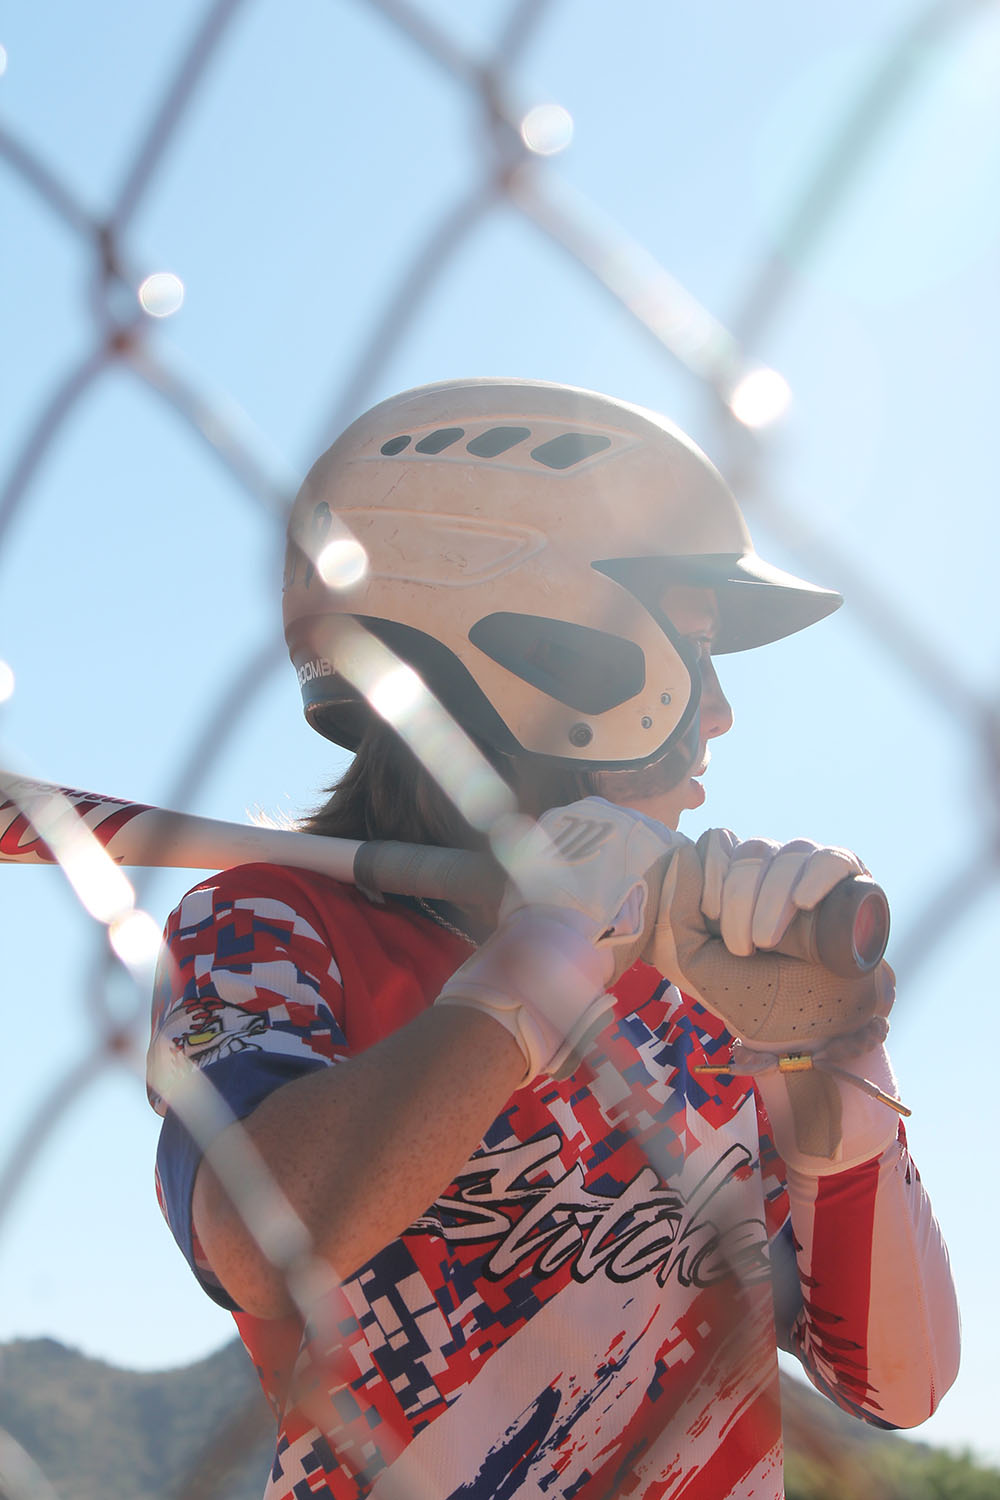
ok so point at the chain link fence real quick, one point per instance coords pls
(450, 188)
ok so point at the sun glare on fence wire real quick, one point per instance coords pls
(135, 937)
(760, 397)
(396, 693)
(161, 294)
(6, 682)
(96, 879)
(342, 563)
(547, 129)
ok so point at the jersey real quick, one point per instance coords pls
(588, 1309)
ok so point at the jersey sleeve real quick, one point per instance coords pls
(249, 991)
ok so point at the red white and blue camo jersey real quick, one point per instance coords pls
(586, 1310)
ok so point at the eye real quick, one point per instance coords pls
(702, 644)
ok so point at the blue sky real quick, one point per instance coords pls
(139, 578)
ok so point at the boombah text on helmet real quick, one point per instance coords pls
(511, 540)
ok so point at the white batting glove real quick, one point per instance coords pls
(754, 889)
(773, 1002)
(590, 859)
(750, 893)
(572, 920)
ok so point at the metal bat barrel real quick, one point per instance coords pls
(36, 817)
(138, 835)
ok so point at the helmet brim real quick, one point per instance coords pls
(758, 603)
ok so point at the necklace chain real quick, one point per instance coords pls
(441, 920)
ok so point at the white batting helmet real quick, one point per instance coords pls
(511, 540)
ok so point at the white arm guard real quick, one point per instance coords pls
(879, 1329)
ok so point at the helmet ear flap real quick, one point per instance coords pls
(337, 709)
(587, 669)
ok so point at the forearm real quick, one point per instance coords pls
(363, 1147)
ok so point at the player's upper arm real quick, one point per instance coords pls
(248, 999)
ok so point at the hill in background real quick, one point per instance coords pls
(78, 1429)
(99, 1433)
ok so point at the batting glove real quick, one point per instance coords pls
(749, 894)
(771, 1001)
(574, 917)
(754, 890)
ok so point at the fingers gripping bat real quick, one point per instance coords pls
(847, 932)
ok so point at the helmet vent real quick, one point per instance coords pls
(436, 442)
(561, 452)
(586, 669)
(497, 440)
(569, 449)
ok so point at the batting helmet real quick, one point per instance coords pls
(510, 540)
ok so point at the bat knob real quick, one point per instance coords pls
(851, 927)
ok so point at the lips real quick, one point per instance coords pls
(696, 793)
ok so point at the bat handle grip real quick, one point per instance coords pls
(847, 932)
(457, 875)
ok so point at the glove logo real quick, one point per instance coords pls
(578, 838)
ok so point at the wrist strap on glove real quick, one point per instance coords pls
(813, 1093)
(801, 1062)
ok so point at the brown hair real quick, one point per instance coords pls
(387, 793)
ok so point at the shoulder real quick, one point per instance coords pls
(268, 893)
(279, 903)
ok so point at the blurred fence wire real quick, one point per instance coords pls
(517, 174)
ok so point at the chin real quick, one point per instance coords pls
(640, 791)
(681, 799)
(668, 807)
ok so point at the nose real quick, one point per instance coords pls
(716, 713)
